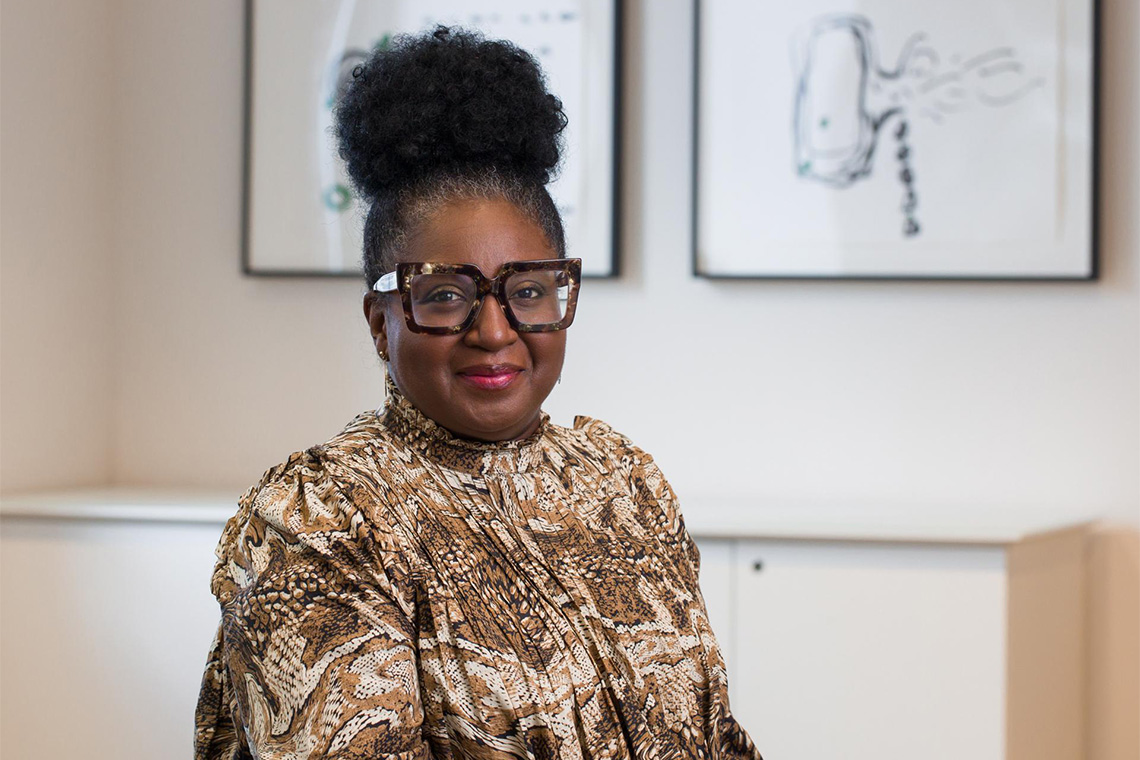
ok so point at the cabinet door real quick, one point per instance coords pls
(870, 651)
(105, 632)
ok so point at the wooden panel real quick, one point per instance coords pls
(1074, 642)
(1114, 645)
(1046, 667)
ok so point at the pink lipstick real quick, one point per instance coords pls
(490, 376)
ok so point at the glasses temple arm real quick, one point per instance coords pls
(386, 284)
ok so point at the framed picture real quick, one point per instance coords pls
(896, 139)
(301, 214)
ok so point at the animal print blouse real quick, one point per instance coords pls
(398, 592)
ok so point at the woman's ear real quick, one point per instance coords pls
(374, 313)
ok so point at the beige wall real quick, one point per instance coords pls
(57, 289)
(931, 395)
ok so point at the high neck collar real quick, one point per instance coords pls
(438, 443)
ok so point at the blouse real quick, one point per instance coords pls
(399, 592)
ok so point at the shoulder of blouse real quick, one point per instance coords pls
(309, 502)
(637, 468)
(609, 443)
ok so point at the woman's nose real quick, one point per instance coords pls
(491, 330)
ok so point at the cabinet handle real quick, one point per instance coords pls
(757, 566)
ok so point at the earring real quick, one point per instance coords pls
(383, 356)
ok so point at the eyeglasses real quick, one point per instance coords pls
(445, 299)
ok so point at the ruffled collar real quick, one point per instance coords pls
(425, 435)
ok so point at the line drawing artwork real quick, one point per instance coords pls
(845, 101)
(337, 195)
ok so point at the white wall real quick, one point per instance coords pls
(935, 396)
(56, 288)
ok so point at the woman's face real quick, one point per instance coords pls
(490, 382)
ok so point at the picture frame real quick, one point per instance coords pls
(300, 214)
(926, 141)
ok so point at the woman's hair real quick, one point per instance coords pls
(447, 116)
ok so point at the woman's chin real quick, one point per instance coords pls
(497, 425)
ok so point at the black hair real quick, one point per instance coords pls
(444, 116)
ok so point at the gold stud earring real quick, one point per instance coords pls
(383, 355)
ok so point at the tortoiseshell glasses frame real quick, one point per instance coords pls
(568, 274)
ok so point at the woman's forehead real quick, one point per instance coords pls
(486, 233)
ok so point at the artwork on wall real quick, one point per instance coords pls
(895, 139)
(301, 214)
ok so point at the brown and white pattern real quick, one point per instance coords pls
(401, 593)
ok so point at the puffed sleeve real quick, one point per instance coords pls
(651, 492)
(315, 656)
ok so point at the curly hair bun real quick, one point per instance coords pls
(447, 102)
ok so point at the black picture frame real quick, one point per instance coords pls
(1088, 204)
(603, 265)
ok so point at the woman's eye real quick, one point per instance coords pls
(530, 290)
(443, 295)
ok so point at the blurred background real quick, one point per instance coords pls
(916, 501)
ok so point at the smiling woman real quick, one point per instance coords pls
(489, 380)
(453, 575)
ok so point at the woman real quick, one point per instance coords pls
(454, 575)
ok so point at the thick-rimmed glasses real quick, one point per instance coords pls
(445, 299)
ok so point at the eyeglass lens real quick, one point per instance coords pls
(538, 297)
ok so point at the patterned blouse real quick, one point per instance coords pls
(398, 592)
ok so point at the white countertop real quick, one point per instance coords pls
(851, 521)
(124, 504)
(712, 517)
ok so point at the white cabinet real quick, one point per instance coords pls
(869, 651)
(105, 632)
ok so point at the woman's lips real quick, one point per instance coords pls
(489, 378)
